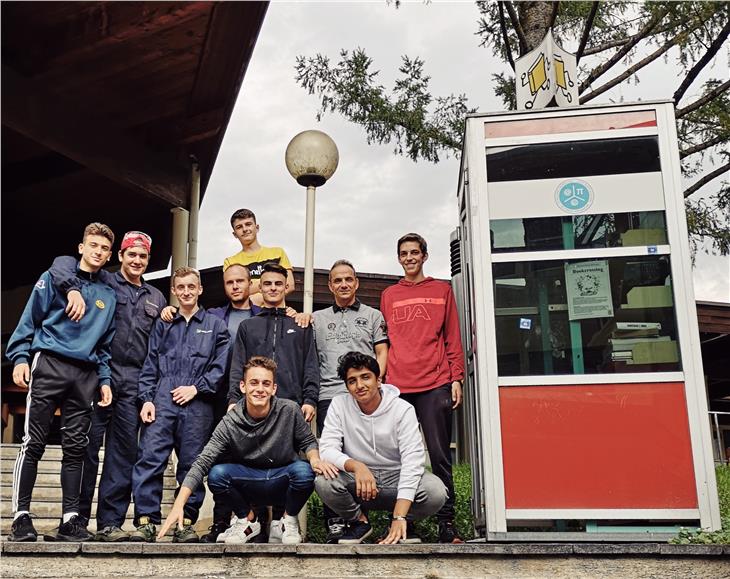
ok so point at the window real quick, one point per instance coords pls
(578, 232)
(613, 315)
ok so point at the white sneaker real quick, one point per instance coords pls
(242, 531)
(225, 534)
(290, 535)
(276, 530)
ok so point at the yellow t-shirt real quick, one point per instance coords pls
(256, 261)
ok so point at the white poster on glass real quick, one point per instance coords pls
(588, 287)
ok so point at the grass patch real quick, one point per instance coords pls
(427, 528)
(687, 537)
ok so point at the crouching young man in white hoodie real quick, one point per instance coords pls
(372, 436)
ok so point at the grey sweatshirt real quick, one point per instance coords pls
(387, 439)
(269, 443)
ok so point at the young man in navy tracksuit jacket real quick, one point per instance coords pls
(183, 370)
(62, 363)
(138, 306)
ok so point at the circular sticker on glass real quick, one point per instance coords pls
(574, 196)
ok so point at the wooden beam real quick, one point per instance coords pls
(89, 28)
(31, 110)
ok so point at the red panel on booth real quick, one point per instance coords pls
(604, 446)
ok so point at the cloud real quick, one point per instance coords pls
(375, 196)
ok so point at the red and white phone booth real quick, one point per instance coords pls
(586, 405)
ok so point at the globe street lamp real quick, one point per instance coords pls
(311, 158)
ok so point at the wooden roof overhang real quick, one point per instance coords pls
(103, 105)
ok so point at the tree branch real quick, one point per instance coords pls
(702, 146)
(706, 179)
(586, 32)
(599, 70)
(629, 71)
(719, 89)
(702, 62)
(517, 26)
(609, 44)
(505, 38)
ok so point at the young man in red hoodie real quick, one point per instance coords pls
(426, 360)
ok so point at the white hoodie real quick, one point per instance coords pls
(387, 439)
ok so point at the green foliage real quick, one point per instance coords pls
(427, 528)
(686, 537)
(422, 126)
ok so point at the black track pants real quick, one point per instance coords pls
(72, 386)
(434, 412)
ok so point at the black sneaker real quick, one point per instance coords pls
(448, 533)
(214, 530)
(335, 528)
(23, 530)
(355, 532)
(73, 530)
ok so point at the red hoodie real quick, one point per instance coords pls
(423, 330)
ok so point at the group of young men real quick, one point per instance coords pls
(233, 390)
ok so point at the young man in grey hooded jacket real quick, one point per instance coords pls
(372, 436)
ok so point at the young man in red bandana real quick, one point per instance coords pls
(138, 306)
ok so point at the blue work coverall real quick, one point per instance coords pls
(137, 309)
(181, 353)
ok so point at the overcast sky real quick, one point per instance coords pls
(375, 196)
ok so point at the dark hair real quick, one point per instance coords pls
(413, 237)
(242, 214)
(356, 360)
(260, 362)
(273, 268)
(344, 262)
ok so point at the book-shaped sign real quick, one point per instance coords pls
(547, 71)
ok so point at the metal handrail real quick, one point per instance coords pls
(718, 435)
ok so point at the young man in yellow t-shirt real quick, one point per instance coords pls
(254, 255)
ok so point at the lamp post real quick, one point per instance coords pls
(311, 158)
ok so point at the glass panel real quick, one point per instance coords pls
(573, 159)
(554, 125)
(579, 232)
(585, 316)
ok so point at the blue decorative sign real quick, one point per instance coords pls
(525, 323)
(574, 196)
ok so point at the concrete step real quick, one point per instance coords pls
(53, 452)
(53, 509)
(557, 561)
(53, 493)
(54, 468)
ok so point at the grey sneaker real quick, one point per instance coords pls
(187, 534)
(111, 534)
(146, 532)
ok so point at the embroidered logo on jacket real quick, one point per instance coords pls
(100, 304)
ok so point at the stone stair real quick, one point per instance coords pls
(46, 505)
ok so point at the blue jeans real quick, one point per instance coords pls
(243, 486)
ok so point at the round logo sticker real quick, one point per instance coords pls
(100, 304)
(574, 196)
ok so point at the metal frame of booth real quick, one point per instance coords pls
(574, 440)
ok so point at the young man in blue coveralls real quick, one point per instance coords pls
(63, 364)
(138, 306)
(184, 368)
